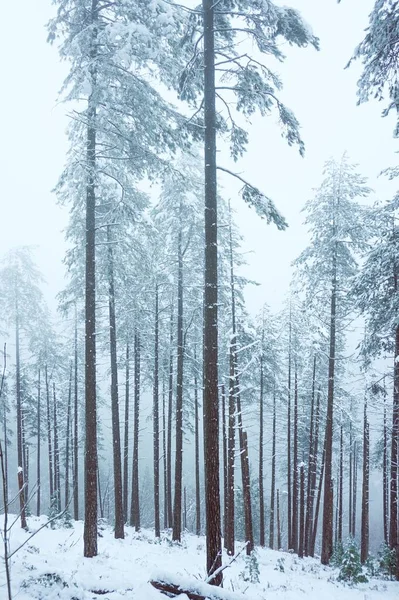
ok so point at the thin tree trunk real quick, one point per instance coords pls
(126, 435)
(289, 490)
(273, 481)
(197, 458)
(49, 437)
(91, 460)
(327, 538)
(169, 438)
(355, 460)
(76, 429)
(393, 500)
(19, 423)
(341, 485)
(165, 462)
(249, 538)
(39, 432)
(295, 486)
(135, 501)
(301, 511)
(317, 509)
(309, 507)
(116, 432)
(156, 417)
(177, 507)
(385, 481)
(350, 476)
(57, 476)
(67, 441)
(224, 439)
(261, 490)
(364, 544)
(278, 520)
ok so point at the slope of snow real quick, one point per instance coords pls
(51, 567)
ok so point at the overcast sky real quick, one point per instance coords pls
(316, 86)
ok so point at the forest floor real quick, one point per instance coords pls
(51, 567)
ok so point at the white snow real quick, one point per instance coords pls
(123, 568)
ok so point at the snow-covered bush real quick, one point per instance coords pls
(351, 570)
(251, 570)
(387, 561)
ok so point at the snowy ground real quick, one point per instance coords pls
(123, 568)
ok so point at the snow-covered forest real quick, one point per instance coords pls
(160, 437)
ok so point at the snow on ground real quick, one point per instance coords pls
(51, 567)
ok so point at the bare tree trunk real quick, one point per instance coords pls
(317, 509)
(177, 508)
(49, 437)
(197, 463)
(249, 537)
(135, 501)
(211, 400)
(350, 477)
(261, 436)
(355, 460)
(301, 511)
(224, 439)
(116, 431)
(39, 433)
(76, 430)
(91, 460)
(289, 490)
(278, 520)
(67, 441)
(273, 482)
(311, 457)
(364, 545)
(328, 504)
(393, 521)
(157, 519)
(169, 439)
(19, 423)
(57, 477)
(165, 462)
(385, 481)
(126, 435)
(295, 486)
(341, 486)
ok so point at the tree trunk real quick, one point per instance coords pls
(157, 520)
(57, 476)
(126, 435)
(261, 491)
(278, 520)
(309, 508)
(289, 490)
(393, 500)
(135, 502)
(301, 511)
(273, 482)
(116, 432)
(197, 459)
(19, 423)
(67, 441)
(177, 508)
(165, 462)
(354, 489)
(76, 430)
(49, 437)
(341, 486)
(249, 538)
(364, 544)
(170, 412)
(327, 539)
(39, 427)
(350, 477)
(385, 481)
(317, 509)
(211, 402)
(295, 486)
(90, 523)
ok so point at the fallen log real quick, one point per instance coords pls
(172, 590)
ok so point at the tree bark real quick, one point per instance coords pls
(261, 489)
(157, 519)
(164, 453)
(317, 509)
(197, 459)
(76, 429)
(278, 520)
(273, 479)
(19, 421)
(393, 492)
(301, 511)
(341, 486)
(38, 457)
(385, 481)
(364, 543)
(249, 537)
(57, 476)
(68, 433)
(211, 402)
(327, 539)
(309, 507)
(91, 460)
(289, 490)
(49, 437)
(169, 439)
(295, 486)
(177, 508)
(116, 432)
(135, 500)
(126, 435)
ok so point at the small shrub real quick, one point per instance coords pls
(338, 555)
(251, 571)
(387, 561)
(351, 569)
(280, 565)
